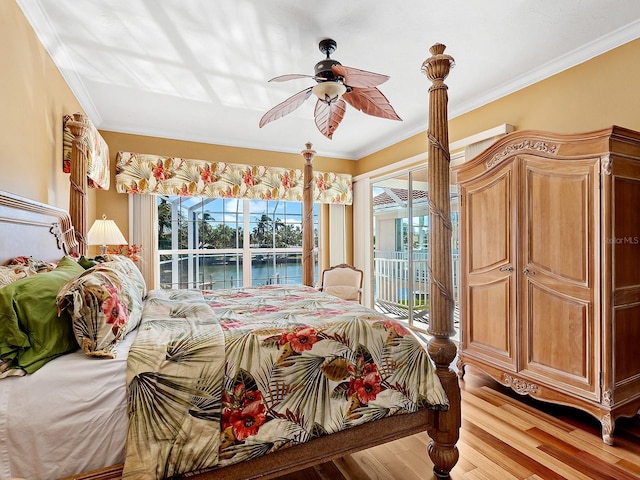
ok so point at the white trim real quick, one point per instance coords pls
(399, 165)
(480, 136)
(422, 157)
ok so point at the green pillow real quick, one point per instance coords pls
(31, 332)
(86, 263)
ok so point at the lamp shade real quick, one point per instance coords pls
(105, 232)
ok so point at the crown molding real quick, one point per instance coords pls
(580, 55)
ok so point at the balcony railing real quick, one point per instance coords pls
(404, 291)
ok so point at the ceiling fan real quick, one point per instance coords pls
(336, 84)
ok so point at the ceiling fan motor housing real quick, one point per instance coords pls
(323, 69)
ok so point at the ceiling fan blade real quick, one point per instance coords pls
(355, 77)
(286, 107)
(290, 76)
(328, 116)
(372, 102)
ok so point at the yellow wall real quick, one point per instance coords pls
(33, 98)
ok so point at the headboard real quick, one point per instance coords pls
(32, 228)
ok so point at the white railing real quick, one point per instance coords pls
(394, 292)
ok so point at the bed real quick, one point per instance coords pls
(77, 413)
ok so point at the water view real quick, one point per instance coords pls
(216, 272)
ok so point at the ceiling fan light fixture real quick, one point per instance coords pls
(329, 90)
(336, 86)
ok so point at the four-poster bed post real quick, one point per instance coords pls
(78, 182)
(307, 217)
(445, 433)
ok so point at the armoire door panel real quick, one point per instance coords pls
(490, 319)
(558, 221)
(626, 328)
(559, 338)
(626, 238)
(490, 204)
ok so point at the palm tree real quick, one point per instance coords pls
(164, 224)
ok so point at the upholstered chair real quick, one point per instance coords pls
(343, 281)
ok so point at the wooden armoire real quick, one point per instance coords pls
(550, 268)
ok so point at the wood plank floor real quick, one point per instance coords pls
(503, 436)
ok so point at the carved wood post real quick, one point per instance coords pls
(78, 182)
(442, 449)
(307, 217)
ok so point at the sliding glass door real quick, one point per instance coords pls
(401, 245)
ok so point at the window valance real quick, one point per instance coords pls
(94, 148)
(153, 174)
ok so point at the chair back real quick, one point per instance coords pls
(343, 281)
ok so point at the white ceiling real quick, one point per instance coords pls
(198, 69)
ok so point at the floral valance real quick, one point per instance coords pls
(153, 174)
(96, 151)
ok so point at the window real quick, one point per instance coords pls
(212, 243)
(401, 247)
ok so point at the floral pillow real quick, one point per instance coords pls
(105, 304)
(11, 273)
(34, 264)
(22, 267)
(126, 266)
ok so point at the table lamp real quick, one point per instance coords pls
(105, 232)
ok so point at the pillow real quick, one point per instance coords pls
(21, 267)
(31, 333)
(127, 266)
(105, 304)
(11, 273)
(36, 265)
(86, 263)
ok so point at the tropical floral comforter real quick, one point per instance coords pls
(218, 377)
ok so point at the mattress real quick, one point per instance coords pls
(48, 432)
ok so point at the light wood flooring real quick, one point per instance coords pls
(504, 436)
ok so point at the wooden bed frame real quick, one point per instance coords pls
(21, 218)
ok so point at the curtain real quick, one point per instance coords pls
(362, 235)
(143, 221)
(142, 173)
(337, 235)
(95, 150)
